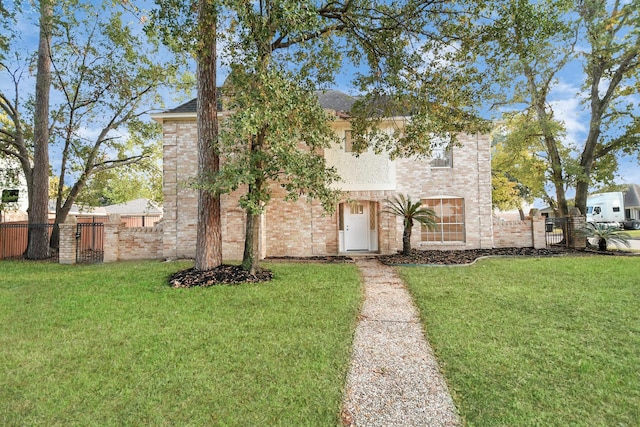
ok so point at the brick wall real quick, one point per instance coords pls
(469, 179)
(140, 243)
(528, 233)
(121, 243)
(302, 228)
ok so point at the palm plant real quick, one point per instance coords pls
(605, 235)
(410, 212)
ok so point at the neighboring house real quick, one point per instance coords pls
(632, 202)
(14, 197)
(137, 213)
(513, 214)
(456, 184)
(81, 213)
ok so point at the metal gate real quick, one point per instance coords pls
(90, 242)
(556, 232)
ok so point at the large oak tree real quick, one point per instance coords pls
(104, 76)
(527, 46)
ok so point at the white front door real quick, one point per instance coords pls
(356, 226)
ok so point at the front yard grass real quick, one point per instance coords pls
(635, 234)
(112, 344)
(533, 342)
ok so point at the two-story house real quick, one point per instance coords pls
(455, 183)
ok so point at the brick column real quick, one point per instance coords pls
(68, 242)
(538, 236)
(112, 238)
(576, 240)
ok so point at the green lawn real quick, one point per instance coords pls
(635, 234)
(537, 342)
(112, 344)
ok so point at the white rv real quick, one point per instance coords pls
(606, 208)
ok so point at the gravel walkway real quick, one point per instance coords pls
(394, 379)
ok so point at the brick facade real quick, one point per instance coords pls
(302, 228)
(121, 243)
(528, 233)
(468, 179)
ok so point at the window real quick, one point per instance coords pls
(441, 155)
(616, 208)
(348, 141)
(449, 220)
(372, 215)
(10, 196)
(356, 209)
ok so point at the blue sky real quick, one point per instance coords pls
(566, 99)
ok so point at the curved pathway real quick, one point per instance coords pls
(394, 379)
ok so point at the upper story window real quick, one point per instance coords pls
(348, 141)
(441, 155)
(10, 196)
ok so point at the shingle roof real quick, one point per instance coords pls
(187, 107)
(632, 196)
(335, 100)
(329, 99)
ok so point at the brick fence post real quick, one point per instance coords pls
(68, 241)
(575, 223)
(112, 238)
(538, 234)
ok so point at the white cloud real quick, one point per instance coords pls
(570, 112)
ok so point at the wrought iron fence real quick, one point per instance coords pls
(90, 242)
(556, 232)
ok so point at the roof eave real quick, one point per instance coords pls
(160, 117)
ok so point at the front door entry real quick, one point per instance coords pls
(356, 226)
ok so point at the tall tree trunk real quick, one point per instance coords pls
(588, 152)
(38, 246)
(251, 255)
(209, 233)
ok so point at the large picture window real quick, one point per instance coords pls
(449, 218)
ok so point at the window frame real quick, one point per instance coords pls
(441, 154)
(446, 228)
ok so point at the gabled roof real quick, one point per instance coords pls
(632, 196)
(79, 209)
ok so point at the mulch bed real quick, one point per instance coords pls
(467, 256)
(221, 275)
(234, 274)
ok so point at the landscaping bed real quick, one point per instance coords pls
(467, 256)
